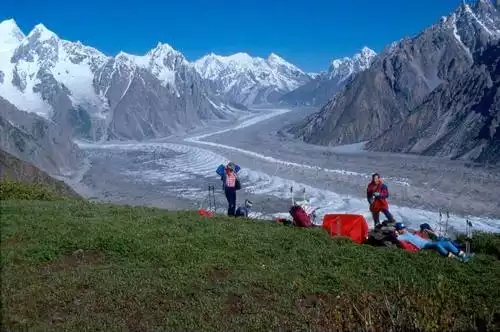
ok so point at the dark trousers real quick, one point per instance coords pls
(376, 216)
(231, 200)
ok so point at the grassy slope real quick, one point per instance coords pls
(148, 269)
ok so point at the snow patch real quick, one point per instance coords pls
(42, 33)
(10, 35)
(469, 11)
(457, 36)
(26, 100)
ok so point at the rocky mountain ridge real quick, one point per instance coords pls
(404, 77)
(326, 85)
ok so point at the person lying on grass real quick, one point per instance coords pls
(443, 247)
(428, 233)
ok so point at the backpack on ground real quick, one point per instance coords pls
(298, 212)
(300, 217)
(244, 211)
(383, 235)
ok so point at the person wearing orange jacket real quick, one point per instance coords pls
(377, 194)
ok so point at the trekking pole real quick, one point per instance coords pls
(291, 193)
(446, 224)
(209, 199)
(440, 232)
(467, 248)
(468, 231)
(213, 197)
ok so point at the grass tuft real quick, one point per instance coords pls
(15, 190)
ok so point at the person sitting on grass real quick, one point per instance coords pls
(244, 211)
(443, 247)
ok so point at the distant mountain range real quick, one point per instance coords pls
(101, 97)
(434, 94)
(326, 85)
(250, 80)
(75, 91)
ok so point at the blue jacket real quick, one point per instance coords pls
(416, 240)
(221, 171)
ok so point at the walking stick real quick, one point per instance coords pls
(213, 197)
(468, 232)
(209, 198)
(440, 224)
(446, 224)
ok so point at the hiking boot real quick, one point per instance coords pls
(464, 258)
(467, 257)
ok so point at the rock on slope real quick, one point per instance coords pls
(250, 80)
(325, 85)
(37, 141)
(403, 76)
(460, 119)
(14, 169)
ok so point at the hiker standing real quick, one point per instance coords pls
(377, 194)
(230, 184)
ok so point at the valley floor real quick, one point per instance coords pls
(174, 173)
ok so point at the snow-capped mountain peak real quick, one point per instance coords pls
(367, 52)
(241, 58)
(345, 67)
(163, 61)
(126, 59)
(163, 50)
(328, 83)
(41, 33)
(44, 71)
(164, 47)
(275, 57)
(246, 79)
(10, 34)
(276, 61)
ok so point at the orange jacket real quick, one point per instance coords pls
(380, 203)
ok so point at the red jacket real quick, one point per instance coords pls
(423, 235)
(380, 203)
(410, 247)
